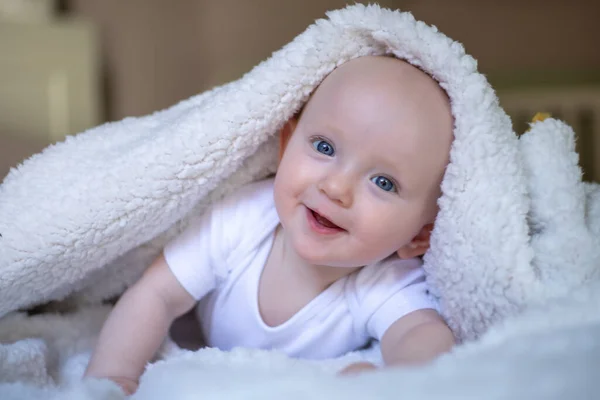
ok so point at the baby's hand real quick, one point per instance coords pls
(357, 368)
(128, 385)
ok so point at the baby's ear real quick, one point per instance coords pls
(418, 246)
(286, 133)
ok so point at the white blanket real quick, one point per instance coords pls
(516, 229)
(550, 352)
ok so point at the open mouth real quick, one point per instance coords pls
(322, 224)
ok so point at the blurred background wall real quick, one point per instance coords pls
(125, 58)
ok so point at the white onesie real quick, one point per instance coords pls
(219, 261)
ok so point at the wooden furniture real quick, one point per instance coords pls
(49, 84)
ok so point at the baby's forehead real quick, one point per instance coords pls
(378, 70)
(390, 109)
(382, 79)
(385, 88)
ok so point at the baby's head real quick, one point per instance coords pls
(361, 167)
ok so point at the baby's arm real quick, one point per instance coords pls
(416, 338)
(137, 326)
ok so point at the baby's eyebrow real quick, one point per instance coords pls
(392, 164)
(332, 129)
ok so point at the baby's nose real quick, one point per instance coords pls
(338, 188)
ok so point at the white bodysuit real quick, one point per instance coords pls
(219, 261)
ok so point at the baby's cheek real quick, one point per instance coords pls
(392, 234)
(375, 245)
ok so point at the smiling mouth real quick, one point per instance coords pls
(322, 224)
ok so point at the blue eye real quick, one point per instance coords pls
(324, 147)
(384, 183)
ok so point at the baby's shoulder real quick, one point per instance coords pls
(384, 292)
(387, 276)
(247, 200)
(390, 269)
(247, 215)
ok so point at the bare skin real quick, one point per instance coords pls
(391, 127)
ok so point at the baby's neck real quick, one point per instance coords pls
(319, 277)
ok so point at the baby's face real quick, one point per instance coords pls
(360, 175)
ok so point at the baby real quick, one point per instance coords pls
(324, 257)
